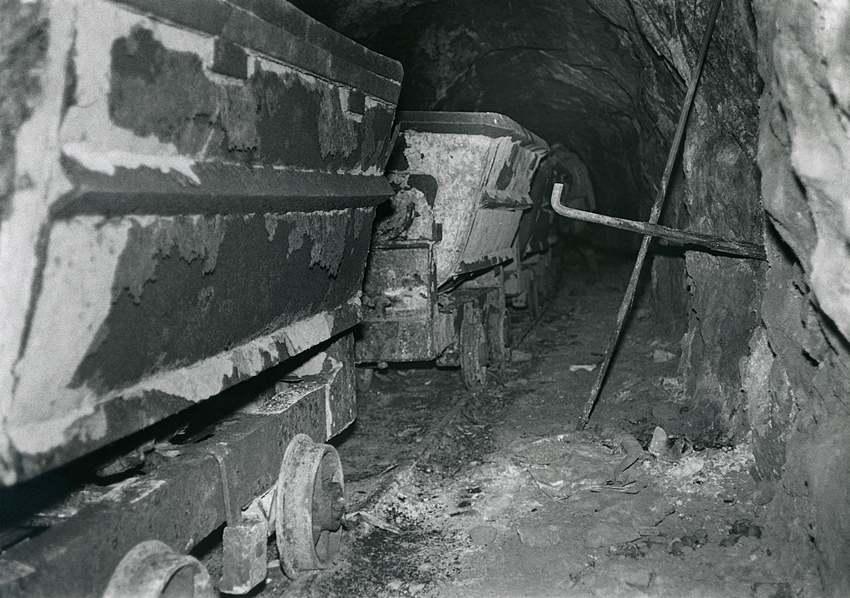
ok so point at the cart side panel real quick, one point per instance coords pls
(536, 226)
(195, 196)
(490, 239)
(400, 298)
(458, 163)
(508, 183)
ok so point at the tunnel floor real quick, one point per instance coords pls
(493, 493)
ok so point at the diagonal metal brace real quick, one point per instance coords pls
(654, 215)
(678, 237)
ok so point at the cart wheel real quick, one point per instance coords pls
(153, 570)
(310, 504)
(498, 333)
(364, 378)
(473, 348)
(544, 287)
(534, 298)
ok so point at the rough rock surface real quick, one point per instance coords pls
(803, 154)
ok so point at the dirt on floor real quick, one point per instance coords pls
(493, 493)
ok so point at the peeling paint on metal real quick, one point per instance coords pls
(491, 235)
(194, 383)
(344, 138)
(313, 366)
(88, 133)
(362, 220)
(82, 265)
(152, 238)
(206, 378)
(77, 277)
(37, 163)
(128, 491)
(106, 162)
(271, 221)
(457, 163)
(327, 232)
(337, 127)
(302, 335)
(473, 173)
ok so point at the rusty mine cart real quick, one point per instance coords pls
(531, 277)
(434, 286)
(183, 274)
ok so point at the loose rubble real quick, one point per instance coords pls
(507, 499)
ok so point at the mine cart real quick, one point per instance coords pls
(530, 278)
(181, 267)
(434, 288)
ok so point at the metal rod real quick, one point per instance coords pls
(653, 219)
(679, 237)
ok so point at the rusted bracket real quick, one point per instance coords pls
(220, 452)
(244, 538)
(678, 237)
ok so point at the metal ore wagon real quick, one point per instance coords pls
(531, 277)
(434, 288)
(193, 209)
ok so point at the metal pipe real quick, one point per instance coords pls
(679, 237)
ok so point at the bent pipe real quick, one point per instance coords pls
(678, 237)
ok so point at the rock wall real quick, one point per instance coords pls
(715, 190)
(799, 372)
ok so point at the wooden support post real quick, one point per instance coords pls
(678, 237)
(654, 215)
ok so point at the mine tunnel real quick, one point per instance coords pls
(287, 310)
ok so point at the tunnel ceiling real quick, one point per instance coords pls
(606, 78)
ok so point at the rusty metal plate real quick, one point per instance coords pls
(482, 165)
(399, 297)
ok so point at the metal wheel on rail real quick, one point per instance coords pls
(473, 348)
(151, 569)
(534, 298)
(310, 504)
